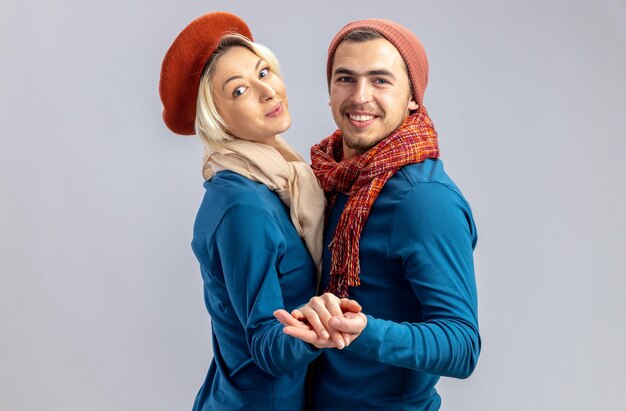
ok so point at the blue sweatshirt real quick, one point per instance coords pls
(253, 262)
(418, 292)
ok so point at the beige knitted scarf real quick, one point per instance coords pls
(283, 171)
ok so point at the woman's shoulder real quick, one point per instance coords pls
(229, 196)
(229, 187)
(227, 190)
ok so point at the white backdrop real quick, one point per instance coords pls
(101, 302)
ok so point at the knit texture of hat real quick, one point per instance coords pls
(407, 44)
(184, 62)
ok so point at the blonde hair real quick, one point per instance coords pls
(209, 125)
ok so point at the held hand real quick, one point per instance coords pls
(319, 310)
(303, 331)
(351, 324)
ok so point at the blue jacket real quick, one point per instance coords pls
(253, 262)
(418, 291)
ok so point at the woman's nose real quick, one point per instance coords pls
(266, 91)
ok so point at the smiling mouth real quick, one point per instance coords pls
(361, 120)
(276, 110)
(361, 117)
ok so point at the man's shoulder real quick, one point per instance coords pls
(428, 171)
(427, 197)
(414, 175)
(423, 179)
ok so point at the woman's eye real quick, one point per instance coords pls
(239, 91)
(264, 73)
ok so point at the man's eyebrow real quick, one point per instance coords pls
(256, 67)
(341, 70)
(380, 72)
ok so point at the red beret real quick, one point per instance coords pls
(183, 65)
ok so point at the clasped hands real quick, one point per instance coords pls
(325, 321)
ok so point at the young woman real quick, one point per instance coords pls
(257, 235)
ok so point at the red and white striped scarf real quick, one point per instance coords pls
(362, 178)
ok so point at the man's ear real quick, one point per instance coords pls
(413, 105)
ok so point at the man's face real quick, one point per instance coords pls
(370, 93)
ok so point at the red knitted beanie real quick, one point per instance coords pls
(403, 39)
(183, 65)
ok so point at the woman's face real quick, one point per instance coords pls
(250, 98)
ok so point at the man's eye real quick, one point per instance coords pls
(381, 81)
(345, 79)
(239, 91)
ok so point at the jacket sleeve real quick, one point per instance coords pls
(433, 239)
(249, 245)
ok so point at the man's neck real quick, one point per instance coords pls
(348, 152)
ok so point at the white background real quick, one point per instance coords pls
(101, 303)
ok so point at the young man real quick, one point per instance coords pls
(400, 235)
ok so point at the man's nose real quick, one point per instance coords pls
(362, 91)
